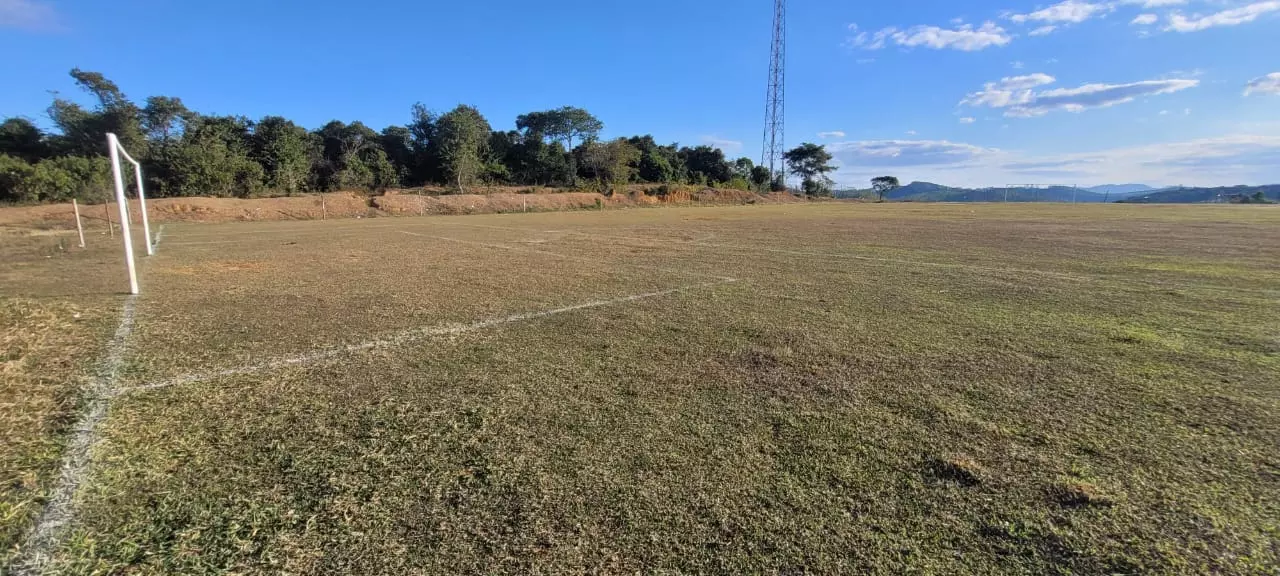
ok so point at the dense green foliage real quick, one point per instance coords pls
(185, 153)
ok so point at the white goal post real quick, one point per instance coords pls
(115, 151)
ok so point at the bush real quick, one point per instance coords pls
(14, 173)
(55, 180)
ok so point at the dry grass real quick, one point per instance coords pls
(884, 389)
(48, 345)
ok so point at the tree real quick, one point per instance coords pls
(423, 139)
(14, 173)
(285, 151)
(759, 177)
(812, 162)
(162, 118)
(397, 142)
(351, 158)
(463, 143)
(657, 163)
(884, 185)
(611, 164)
(84, 132)
(742, 168)
(22, 139)
(61, 179)
(706, 165)
(566, 123)
(212, 158)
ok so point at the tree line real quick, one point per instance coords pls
(185, 153)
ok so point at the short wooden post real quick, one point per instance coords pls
(79, 229)
(110, 229)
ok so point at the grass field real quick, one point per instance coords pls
(948, 389)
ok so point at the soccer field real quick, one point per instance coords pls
(824, 387)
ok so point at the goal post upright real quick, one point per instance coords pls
(113, 148)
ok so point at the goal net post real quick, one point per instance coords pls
(116, 151)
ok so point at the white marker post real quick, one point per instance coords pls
(113, 147)
(80, 229)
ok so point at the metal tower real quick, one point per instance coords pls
(775, 102)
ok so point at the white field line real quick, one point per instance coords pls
(399, 339)
(36, 552)
(37, 549)
(568, 256)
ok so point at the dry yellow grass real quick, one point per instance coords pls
(881, 389)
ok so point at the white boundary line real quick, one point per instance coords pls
(37, 549)
(398, 339)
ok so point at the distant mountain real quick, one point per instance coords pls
(930, 192)
(1120, 189)
(1224, 194)
(1138, 193)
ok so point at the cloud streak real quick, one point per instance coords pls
(1269, 84)
(1232, 17)
(1069, 11)
(30, 15)
(1022, 96)
(831, 134)
(728, 146)
(1239, 158)
(963, 37)
(898, 153)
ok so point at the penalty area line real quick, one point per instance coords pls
(398, 339)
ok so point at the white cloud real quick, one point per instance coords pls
(911, 132)
(1145, 20)
(728, 146)
(888, 153)
(967, 120)
(1269, 84)
(1017, 64)
(28, 15)
(1153, 3)
(1018, 95)
(1008, 91)
(1164, 112)
(831, 134)
(1042, 31)
(1225, 160)
(1232, 17)
(964, 37)
(1073, 11)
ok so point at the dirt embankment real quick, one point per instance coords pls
(351, 205)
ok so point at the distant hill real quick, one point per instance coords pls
(1138, 193)
(1182, 195)
(1120, 189)
(930, 192)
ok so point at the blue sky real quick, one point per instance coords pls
(987, 92)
